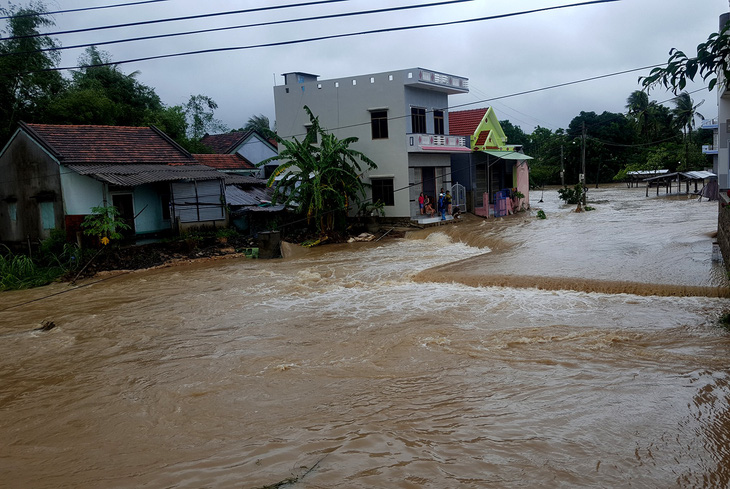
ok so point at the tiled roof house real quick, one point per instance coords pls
(493, 168)
(53, 175)
(252, 146)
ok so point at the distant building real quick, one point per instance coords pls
(400, 120)
(252, 146)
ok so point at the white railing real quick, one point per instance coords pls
(708, 123)
(443, 79)
(416, 142)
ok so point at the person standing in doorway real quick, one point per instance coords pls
(448, 202)
(420, 203)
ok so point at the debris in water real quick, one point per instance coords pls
(362, 237)
(46, 326)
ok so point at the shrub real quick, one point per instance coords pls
(104, 222)
(572, 195)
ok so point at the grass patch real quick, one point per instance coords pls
(21, 272)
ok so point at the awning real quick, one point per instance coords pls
(507, 155)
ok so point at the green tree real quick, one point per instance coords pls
(321, 180)
(100, 93)
(685, 112)
(712, 56)
(544, 147)
(515, 134)
(639, 110)
(259, 123)
(200, 116)
(27, 79)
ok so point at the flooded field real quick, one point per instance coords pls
(577, 351)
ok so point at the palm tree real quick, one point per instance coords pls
(319, 179)
(259, 123)
(685, 113)
(637, 106)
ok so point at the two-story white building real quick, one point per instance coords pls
(720, 148)
(400, 120)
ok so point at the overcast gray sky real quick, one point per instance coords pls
(500, 57)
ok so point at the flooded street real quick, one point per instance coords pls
(410, 362)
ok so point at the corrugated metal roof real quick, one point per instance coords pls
(232, 178)
(250, 197)
(698, 175)
(647, 172)
(130, 175)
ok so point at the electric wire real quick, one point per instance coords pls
(82, 9)
(245, 26)
(326, 37)
(175, 19)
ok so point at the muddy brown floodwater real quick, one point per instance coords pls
(411, 363)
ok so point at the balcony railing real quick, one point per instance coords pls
(709, 149)
(430, 143)
(709, 124)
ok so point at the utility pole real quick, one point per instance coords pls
(562, 168)
(583, 164)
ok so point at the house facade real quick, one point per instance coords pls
(53, 175)
(399, 118)
(493, 170)
(252, 146)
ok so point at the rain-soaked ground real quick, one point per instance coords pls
(577, 351)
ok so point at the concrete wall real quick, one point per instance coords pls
(80, 192)
(255, 150)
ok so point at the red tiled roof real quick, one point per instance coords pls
(225, 161)
(223, 143)
(465, 122)
(108, 144)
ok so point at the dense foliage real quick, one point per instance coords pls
(649, 136)
(319, 175)
(32, 89)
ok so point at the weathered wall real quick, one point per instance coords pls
(30, 179)
(723, 228)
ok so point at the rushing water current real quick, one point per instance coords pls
(577, 351)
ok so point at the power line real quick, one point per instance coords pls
(175, 19)
(366, 123)
(559, 85)
(244, 26)
(84, 9)
(333, 36)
